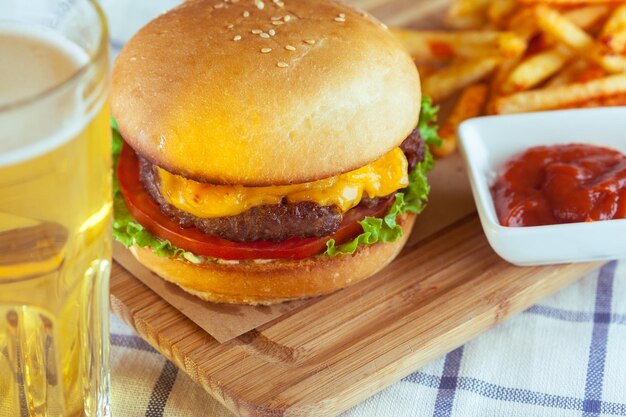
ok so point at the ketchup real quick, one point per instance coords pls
(561, 184)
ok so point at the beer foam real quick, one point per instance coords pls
(33, 60)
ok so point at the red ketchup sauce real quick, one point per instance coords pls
(561, 184)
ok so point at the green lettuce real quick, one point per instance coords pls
(126, 229)
(429, 130)
(412, 199)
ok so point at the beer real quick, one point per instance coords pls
(55, 217)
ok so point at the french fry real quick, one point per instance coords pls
(467, 14)
(524, 22)
(613, 34)
(527, 55)
(610, 101)
(469, 105)
(615, 42)
(562, 96)
(567, 2)
(537, 69)
(466, 7)
(587, 17)
(592, 72)
(569, 74)
(499, 10)
(577, 39)
(448, 81)
(542, 66)
(445, 46)
(500, 75)
(563, 29)
(616, 22)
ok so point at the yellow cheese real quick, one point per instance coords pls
(378, 179)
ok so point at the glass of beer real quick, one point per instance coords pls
(55, 209)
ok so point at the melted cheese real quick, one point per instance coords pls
(378, 179)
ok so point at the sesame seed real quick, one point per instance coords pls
(272, 32)
(290, 48)
(256, 31)
(282, 64)
(340, 19)
(310, 41)
(264, 35)
(274, 18)
(219, 5)
(266, 50)
(230, 26)
(287, 18)
(259, 4)
(277, 23)
(246, 13)
(237, 38)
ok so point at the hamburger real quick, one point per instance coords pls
(267, 150)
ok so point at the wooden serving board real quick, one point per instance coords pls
(447, 287)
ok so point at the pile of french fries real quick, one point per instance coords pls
(517, 56)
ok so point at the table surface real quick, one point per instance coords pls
(563, 357)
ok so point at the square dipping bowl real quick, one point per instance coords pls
(487, 143)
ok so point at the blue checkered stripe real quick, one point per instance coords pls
(454, 380)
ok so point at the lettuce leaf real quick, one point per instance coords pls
(429, 130)
(126, 229)
(412, 199)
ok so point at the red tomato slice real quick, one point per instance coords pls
(148, 213)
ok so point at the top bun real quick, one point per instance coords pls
(265, 92)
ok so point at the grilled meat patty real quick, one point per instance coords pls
(277, 222)
(414, 148)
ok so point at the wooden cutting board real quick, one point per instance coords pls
(447, 287)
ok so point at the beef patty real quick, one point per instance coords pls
(277, 222)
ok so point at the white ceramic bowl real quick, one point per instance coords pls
(488, 142)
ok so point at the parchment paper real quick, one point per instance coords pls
(222, 321)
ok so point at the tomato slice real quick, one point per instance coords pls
(148, 213)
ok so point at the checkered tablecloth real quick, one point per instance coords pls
(563, 357)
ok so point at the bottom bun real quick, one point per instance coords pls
(276, 281)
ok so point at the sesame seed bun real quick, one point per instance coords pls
(277, 281)
(264, 93)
